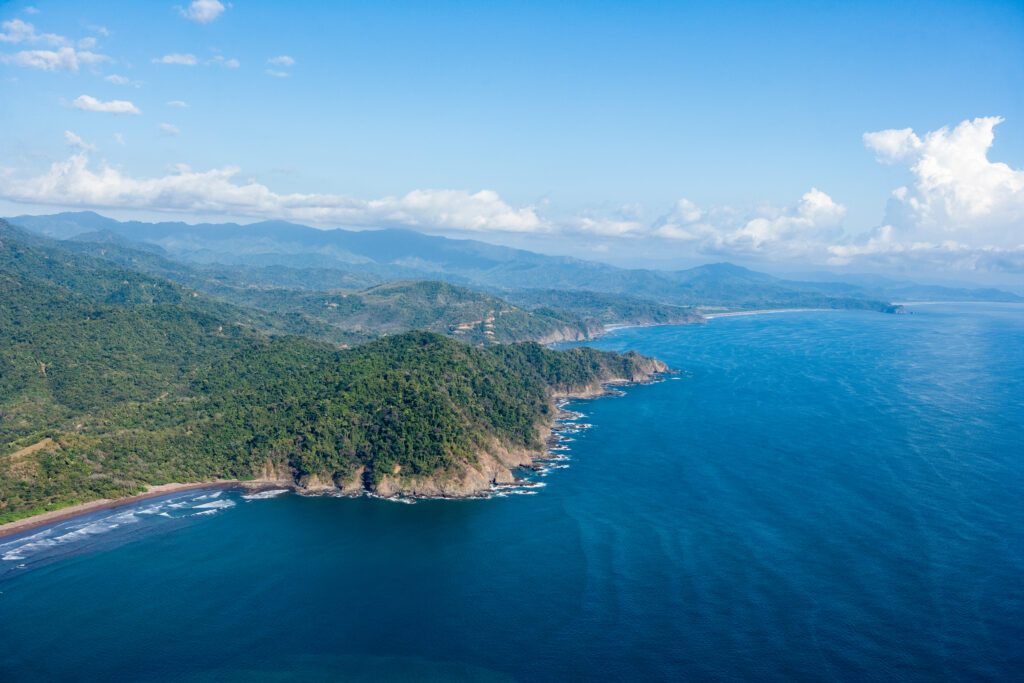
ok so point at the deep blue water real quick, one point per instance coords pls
(821, 496)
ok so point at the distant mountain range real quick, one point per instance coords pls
(278, 253)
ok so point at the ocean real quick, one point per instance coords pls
(815, 496)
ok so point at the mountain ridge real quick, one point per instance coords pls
(391, 254)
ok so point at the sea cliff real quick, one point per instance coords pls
(494, 464)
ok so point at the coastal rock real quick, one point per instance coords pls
(496, 463)
(353, 485)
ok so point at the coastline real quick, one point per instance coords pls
(34, 522)
(763, 311)
(525, 458)
(497, 466)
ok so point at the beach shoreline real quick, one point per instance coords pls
(43, 519)
(764, 311)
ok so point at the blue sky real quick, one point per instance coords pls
(589, 124)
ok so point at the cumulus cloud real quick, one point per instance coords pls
(90, 103)
(957, 192)
(74, 183)
(169, 129)
(77, 142)
(960, 209)
(18, 31)
(177, 58)
(62, 59)
(797, 230)
(178, 104)
(202, 11)
(281, 60)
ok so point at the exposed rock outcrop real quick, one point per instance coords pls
(494, 464)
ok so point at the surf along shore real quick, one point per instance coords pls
(63, 514)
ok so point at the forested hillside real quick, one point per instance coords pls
(343, 310)
(111, 379)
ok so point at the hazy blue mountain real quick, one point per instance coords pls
(376, 256)
(905, 290)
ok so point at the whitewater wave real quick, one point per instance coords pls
(214, 505)
(262, 495)
(27, 547)
(66, 536)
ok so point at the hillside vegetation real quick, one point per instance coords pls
(137, 381)
(345, 314)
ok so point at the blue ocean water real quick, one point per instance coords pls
(819, 496)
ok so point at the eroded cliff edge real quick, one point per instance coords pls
(493, 463)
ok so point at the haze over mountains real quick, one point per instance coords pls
(282, 254)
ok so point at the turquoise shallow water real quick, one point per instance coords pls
(820, 496)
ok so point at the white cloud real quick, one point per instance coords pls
(177, 58)
(65, 58)
(74, 183)
(961, 211)
(219, 60)
(31, 10)
(606, 226)
(892, 145)
(622, 221)
(188, 59)
(178, 104)
(90, 103)
(119, 139)
(77, 142)
(169, 129)
(883, 247)
(798, 230)
(956, 193)
(117, 79)
(280, 61)
(202, 11)
(18, 31)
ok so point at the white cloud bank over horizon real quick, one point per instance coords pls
(961, 212)
(73, 183)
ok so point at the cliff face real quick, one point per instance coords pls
(496, 462)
